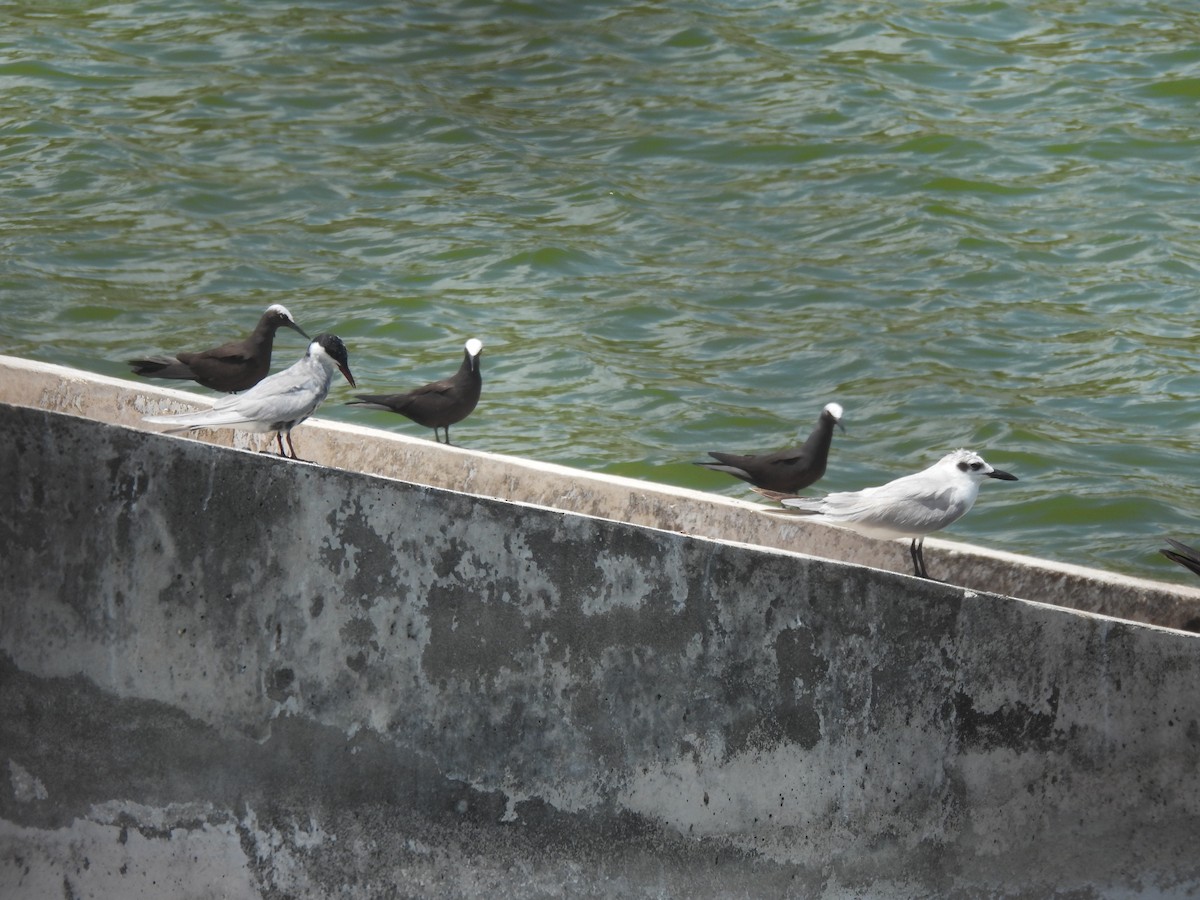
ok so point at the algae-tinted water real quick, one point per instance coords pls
(676, 227)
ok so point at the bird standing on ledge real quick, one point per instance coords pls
(441, 403)
(909, 507)
(232, 367)
(278, 403)
(785, 471)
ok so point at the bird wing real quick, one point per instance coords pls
(788, 458)
(783, 459)
(233, 352)
(898, 506)
(204, 419)
(287, 396)
(435, 388)
(161, 367)
(286, 403)
(728, 459)
(435, 394)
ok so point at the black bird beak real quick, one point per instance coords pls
(1003, 476)
(295, 327)
(839, 424)
(345, 370)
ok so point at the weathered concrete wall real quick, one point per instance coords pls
(224, 674)
(122, 402)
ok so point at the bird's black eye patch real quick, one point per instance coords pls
(975, 467)
(962, 467)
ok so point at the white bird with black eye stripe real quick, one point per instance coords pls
(909, 507)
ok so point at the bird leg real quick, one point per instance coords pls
(918, 557)
(279, 438)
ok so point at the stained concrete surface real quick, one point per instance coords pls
(370, 450)
(226, 674)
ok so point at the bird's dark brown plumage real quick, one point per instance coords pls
(441, 403)
(1186, 556)
(785, 471)
(236, 366)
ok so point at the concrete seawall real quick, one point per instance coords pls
(225, 674)
(665, 507)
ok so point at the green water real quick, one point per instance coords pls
(676, 227)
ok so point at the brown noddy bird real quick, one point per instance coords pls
(439, 404)
(1186, 556)
(232, 367)
(785, 471)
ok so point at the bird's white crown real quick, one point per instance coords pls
(835, 410)
(474, 346)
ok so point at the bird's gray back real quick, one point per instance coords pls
(288, 396)
(903, 508)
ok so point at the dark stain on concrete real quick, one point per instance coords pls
(801, 670)
(351, 533)
(358, 632)
(471, 638)
(89, 747)
(1013, 726)
(279, 683)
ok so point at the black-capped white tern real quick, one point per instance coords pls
(278, 403)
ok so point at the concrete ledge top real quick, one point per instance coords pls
(371, 451)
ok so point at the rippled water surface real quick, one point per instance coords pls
(676, 227)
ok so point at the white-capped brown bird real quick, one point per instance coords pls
(785, 471)
(232, 367)
(441, 403)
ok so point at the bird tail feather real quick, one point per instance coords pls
(370, 402)
(1186, 556)
(161, 367)
(213, 418)
(721, 467)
